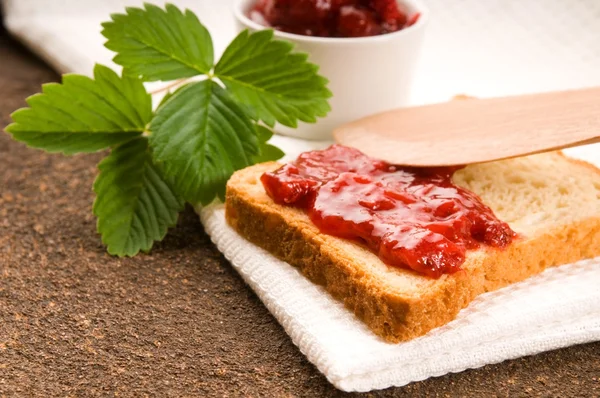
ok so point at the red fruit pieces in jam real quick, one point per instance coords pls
(391, 17)
(410, 217)
(333, 18)
(305, 17)
(357, 22)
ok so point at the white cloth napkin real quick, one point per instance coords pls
(496, 47)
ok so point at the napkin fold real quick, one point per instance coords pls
(537, 46)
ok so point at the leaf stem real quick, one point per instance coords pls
(169, 86)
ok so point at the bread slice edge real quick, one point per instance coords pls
(396, 315)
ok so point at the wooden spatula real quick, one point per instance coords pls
(474, 131)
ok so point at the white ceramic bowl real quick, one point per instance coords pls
(367, 75)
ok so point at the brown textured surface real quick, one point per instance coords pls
(179, 322)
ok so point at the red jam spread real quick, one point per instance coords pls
(412, 218)
(332, 18)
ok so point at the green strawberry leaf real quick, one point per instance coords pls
(84, 114)
(157, 44)
(263, 134)
(275, 84)
(200, 136)
(268, 152)
(135, 206)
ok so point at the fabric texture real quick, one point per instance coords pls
(520, 47)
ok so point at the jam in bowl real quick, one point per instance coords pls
(333, 18)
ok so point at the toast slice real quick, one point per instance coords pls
(551, 201)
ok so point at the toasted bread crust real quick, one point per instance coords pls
(288, 234)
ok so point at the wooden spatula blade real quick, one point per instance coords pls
(474, 131)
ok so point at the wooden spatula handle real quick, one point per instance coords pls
(472, 131)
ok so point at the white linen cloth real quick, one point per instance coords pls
(491, 48)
